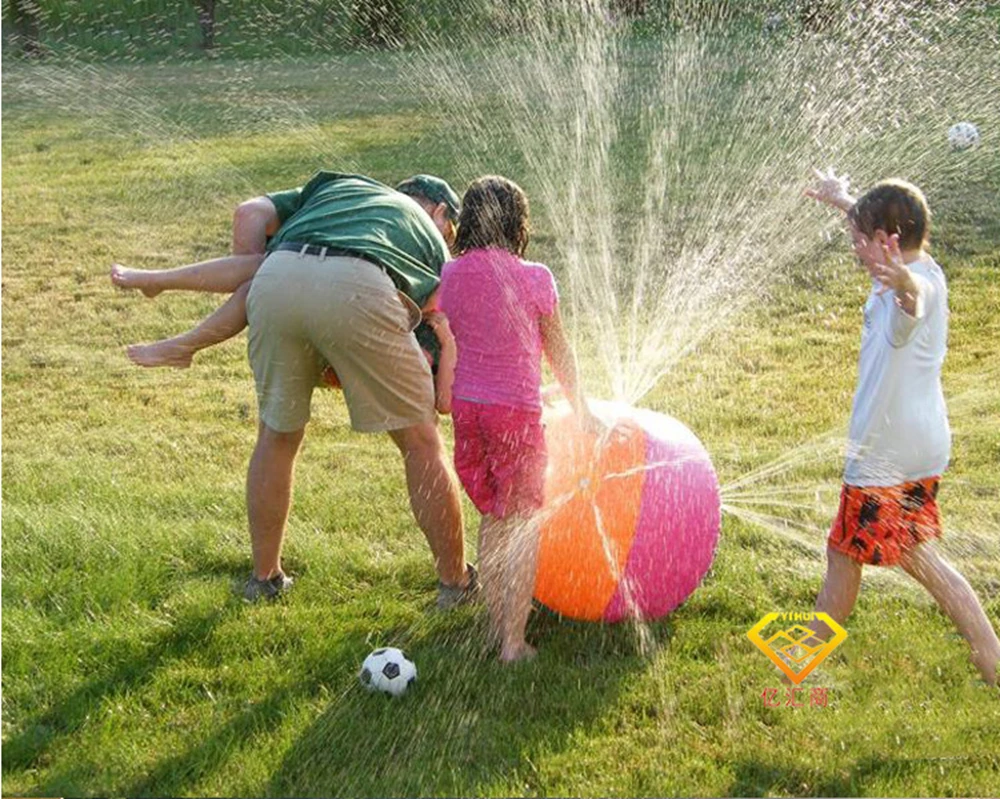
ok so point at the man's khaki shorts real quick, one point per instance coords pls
(305, 311)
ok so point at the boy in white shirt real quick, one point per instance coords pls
(900, 441)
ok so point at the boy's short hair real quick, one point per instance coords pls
(894, 206)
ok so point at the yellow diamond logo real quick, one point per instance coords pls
(796, 650)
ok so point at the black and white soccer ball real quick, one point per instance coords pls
(774, 23)
(388, 670)
(963, 135)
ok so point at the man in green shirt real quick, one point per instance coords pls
(350, 264)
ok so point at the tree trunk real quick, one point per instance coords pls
(630, 9)
(818, 15)
(27, 18)
(206, 21)
(380, 23)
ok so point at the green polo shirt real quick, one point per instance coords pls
(363, 216)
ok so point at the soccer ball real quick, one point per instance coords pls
(388, 670)
(774, 23)
(963, 135)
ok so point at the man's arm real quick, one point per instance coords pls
(254, 222)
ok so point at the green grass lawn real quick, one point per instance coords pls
(130, 666)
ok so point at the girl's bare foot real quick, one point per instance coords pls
(126, 278)
(513, 654)
(161, 353)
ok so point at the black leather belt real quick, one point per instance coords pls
(323, 252)
(336, 252)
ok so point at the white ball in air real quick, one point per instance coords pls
(963, 135)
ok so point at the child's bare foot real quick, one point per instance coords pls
(126, 278)
(989, 669)
(161, 353)
(513, 654)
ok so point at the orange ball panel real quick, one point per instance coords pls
(578, 566)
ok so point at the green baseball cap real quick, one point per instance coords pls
(435, 190)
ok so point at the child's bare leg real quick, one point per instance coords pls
(222, 275)
(491, 572)
(521, 537)
(227, 321)
(957, 599)
(839, 592)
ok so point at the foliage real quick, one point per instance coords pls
(131, 667)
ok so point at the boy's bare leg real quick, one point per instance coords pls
(219, 275)
(839, 592)
(519, 534)
(957, 599)
(225, 322)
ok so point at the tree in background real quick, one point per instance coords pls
(206, 21)
(818, 15)
(630, 9)
(26, 17)
(380, 23)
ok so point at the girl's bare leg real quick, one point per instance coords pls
(221, 275)
(491, 572)
(225, 322)
(520, 534)
(957, 599)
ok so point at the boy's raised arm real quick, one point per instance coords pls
(832, 189)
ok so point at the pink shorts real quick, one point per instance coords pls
(500, 456)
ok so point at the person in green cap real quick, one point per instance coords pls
(254, 235)
(334, 272)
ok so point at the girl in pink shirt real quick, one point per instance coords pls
(503, 314)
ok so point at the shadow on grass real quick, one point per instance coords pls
(174, 776)
(135, 668)
(870, 776)
(470, 725)
(468, 722)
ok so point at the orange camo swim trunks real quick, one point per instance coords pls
(877, 524)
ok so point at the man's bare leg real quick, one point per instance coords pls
(269, 496)
(226, 321)
(959, 602)
(434, 499)
(219, 275)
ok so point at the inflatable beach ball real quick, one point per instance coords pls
(630, 523)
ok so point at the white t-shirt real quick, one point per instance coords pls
(899, 424)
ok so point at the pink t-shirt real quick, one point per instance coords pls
(494, 301)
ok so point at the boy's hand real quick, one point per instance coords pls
(895, 276)
(832, 190)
